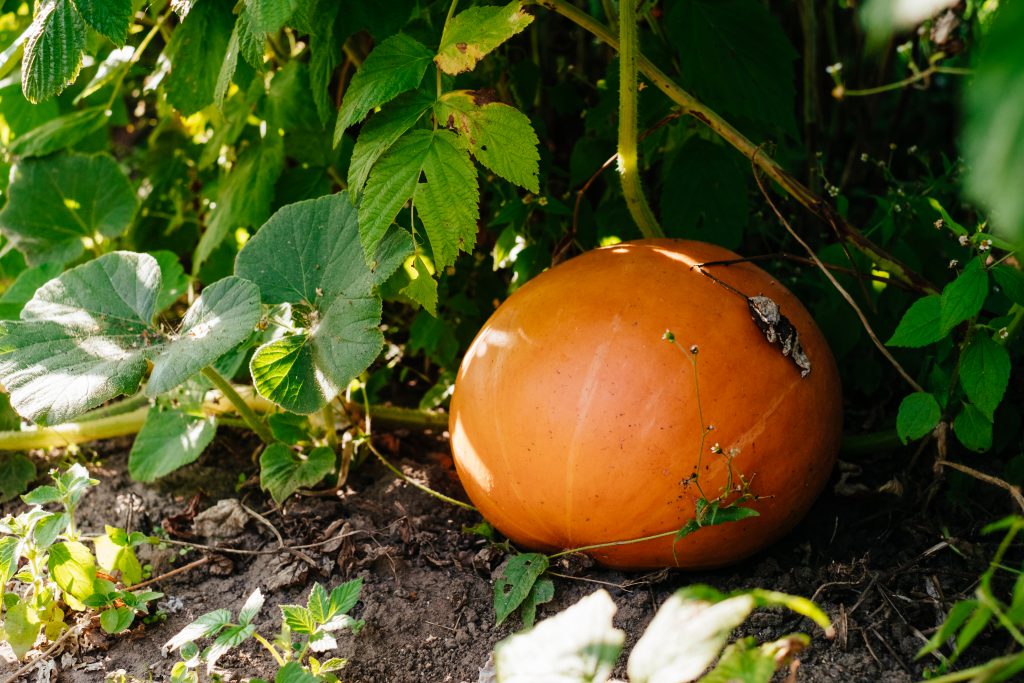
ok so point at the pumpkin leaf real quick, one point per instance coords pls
(169, 439)
(283, 472)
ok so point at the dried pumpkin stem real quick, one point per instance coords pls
(629, 170)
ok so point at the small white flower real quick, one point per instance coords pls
(716, 448)
(985, 245)
(1003, 333)
(834, 68)
(964, 241)
(912, 149)
(863, 156)
(953, 263)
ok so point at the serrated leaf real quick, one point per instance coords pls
(394, 66)
(203, 627)
(53, 50)
(735, 56)
(59, 133)
(229, 638)
(918, 414)
(292, 672)
(110, 18)
(993, 131)
(381, 132)
(282, 471)
(308, 255)
(973, 428)
(16, 473)
(578, 644)
(477, 31)
(342, 599)
(57, 205)
(500, 137)
(168, 440)
(10, 553)
(21, 625)
(1011, 282)
(253, 605)
(298, 619)
(245, 194)
(268, 16)
(920, 324)
(963, 297)
(704, 194)
(196, 52)
(516, 582)
(333, 22)
(117, 619)
(686, 635)
(73, 569)
(422, 287)
(985, 373)
(251, 43)
(227, 67)
(86, 337)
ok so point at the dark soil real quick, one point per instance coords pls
(884, 575)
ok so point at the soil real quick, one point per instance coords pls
(884, 574)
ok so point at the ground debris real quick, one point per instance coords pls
(226, 519)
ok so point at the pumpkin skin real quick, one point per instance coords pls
(574, 423)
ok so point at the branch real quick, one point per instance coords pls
(692, 107)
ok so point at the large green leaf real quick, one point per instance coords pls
(24, 288)
(110, 18)
(993, 132)
(499, 136)
(22, 624)
(59, 205)
(53, 50)
(918, 414)
(381, 132)
(394, 66)
(920, 324)
(308, 255)
(283, 472)
(963, 297)
(59, 133)
(10, 549)
(985, 373)
(704, 194)
(73, 568)
(734, 56)
(269, 16)
(449, 209)
(516, 583)
(973, 428)
(169, 439)
(477, 31)
(196, 52)
(87, 336)
(245, 194)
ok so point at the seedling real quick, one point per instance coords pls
(55, 573)
(304, 631)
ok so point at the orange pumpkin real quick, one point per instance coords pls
(574, 423)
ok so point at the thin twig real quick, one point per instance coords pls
(174, 572)
(835, 283)
(1014, 491)
(265, 551)
(280, 539)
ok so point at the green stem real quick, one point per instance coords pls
(393, 416)
(120, 408)
(409, 480)
(1016, 323)
(74, 432)
(610, 544)
(270, 648)
(327, 412)
(244, 411)
(447, 23)
(629, 167)
(909, 80)
(982, 672)
(692, 107)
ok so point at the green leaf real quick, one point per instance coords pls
(292, 672)
(86, 337)
(985, 373)
(394, 66)
(734, 56)
(918, 414)
(422, 287)
(10, 553)
(169, 439)
(230, 637)
(268, 16)
(252, 44)
(686, 635)
(704, 194)
(222, 317)
(993, 131)
(543, 591)
(53, 50)
(289, 428)
(958, 614)
(499, 136)
(21, 624)
(196, 52)
(49, 528)
(342, 599)
(117, 619)
(920, 324)
(963, 297)
(381, 132)
(42, 495)
(477, 31)
(60, 205)
(203, 627)
(173, 281)
(24, 288)
(744, 661)
(333, 24)
(16, 473)
(227, 67)
(308, 255)
(282, 471)
(1011, 282)
(73, 569)
(59, 133)
(110, 18)
(299, 619)
(253, 605)
(245, 194)
(973, 428)
(114, 552)
(580, 644)
(516, 582)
